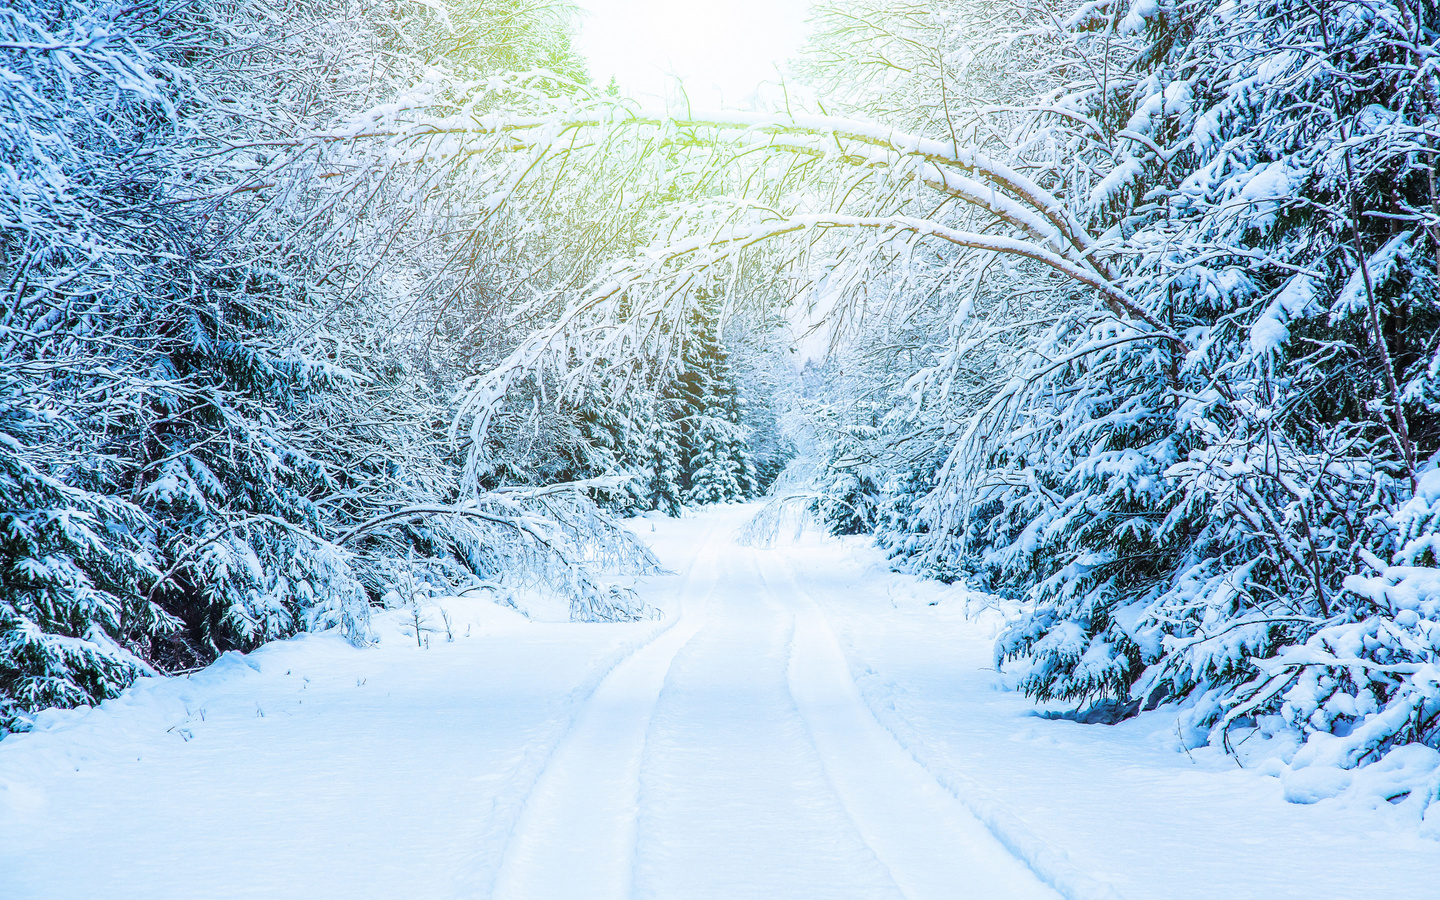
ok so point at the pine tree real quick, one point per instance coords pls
(717, 467)
(662, 459)
(1187, 512)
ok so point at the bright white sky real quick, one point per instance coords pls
(722, 49)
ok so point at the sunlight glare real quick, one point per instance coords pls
(722, 50)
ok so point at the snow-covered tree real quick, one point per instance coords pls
(210, 374)
(717, 467)
(1201, 500)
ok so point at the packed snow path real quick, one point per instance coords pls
(733, 757)
(798, 725)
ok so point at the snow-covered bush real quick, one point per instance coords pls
(1368, 682)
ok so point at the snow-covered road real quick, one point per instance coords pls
(800, 724)
(734, 757)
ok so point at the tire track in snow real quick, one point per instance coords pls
(932, 843)
(734, 798)
(575, 834)
(507, 806)
(826, 691)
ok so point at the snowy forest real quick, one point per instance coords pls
(1126, 312)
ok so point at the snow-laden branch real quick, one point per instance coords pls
(525, 526)
(1001, 190)
(830, 128)
(552, 347)
(531, 526)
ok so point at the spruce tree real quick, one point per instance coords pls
(717, 466)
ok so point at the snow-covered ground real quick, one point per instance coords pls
(799, 724)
